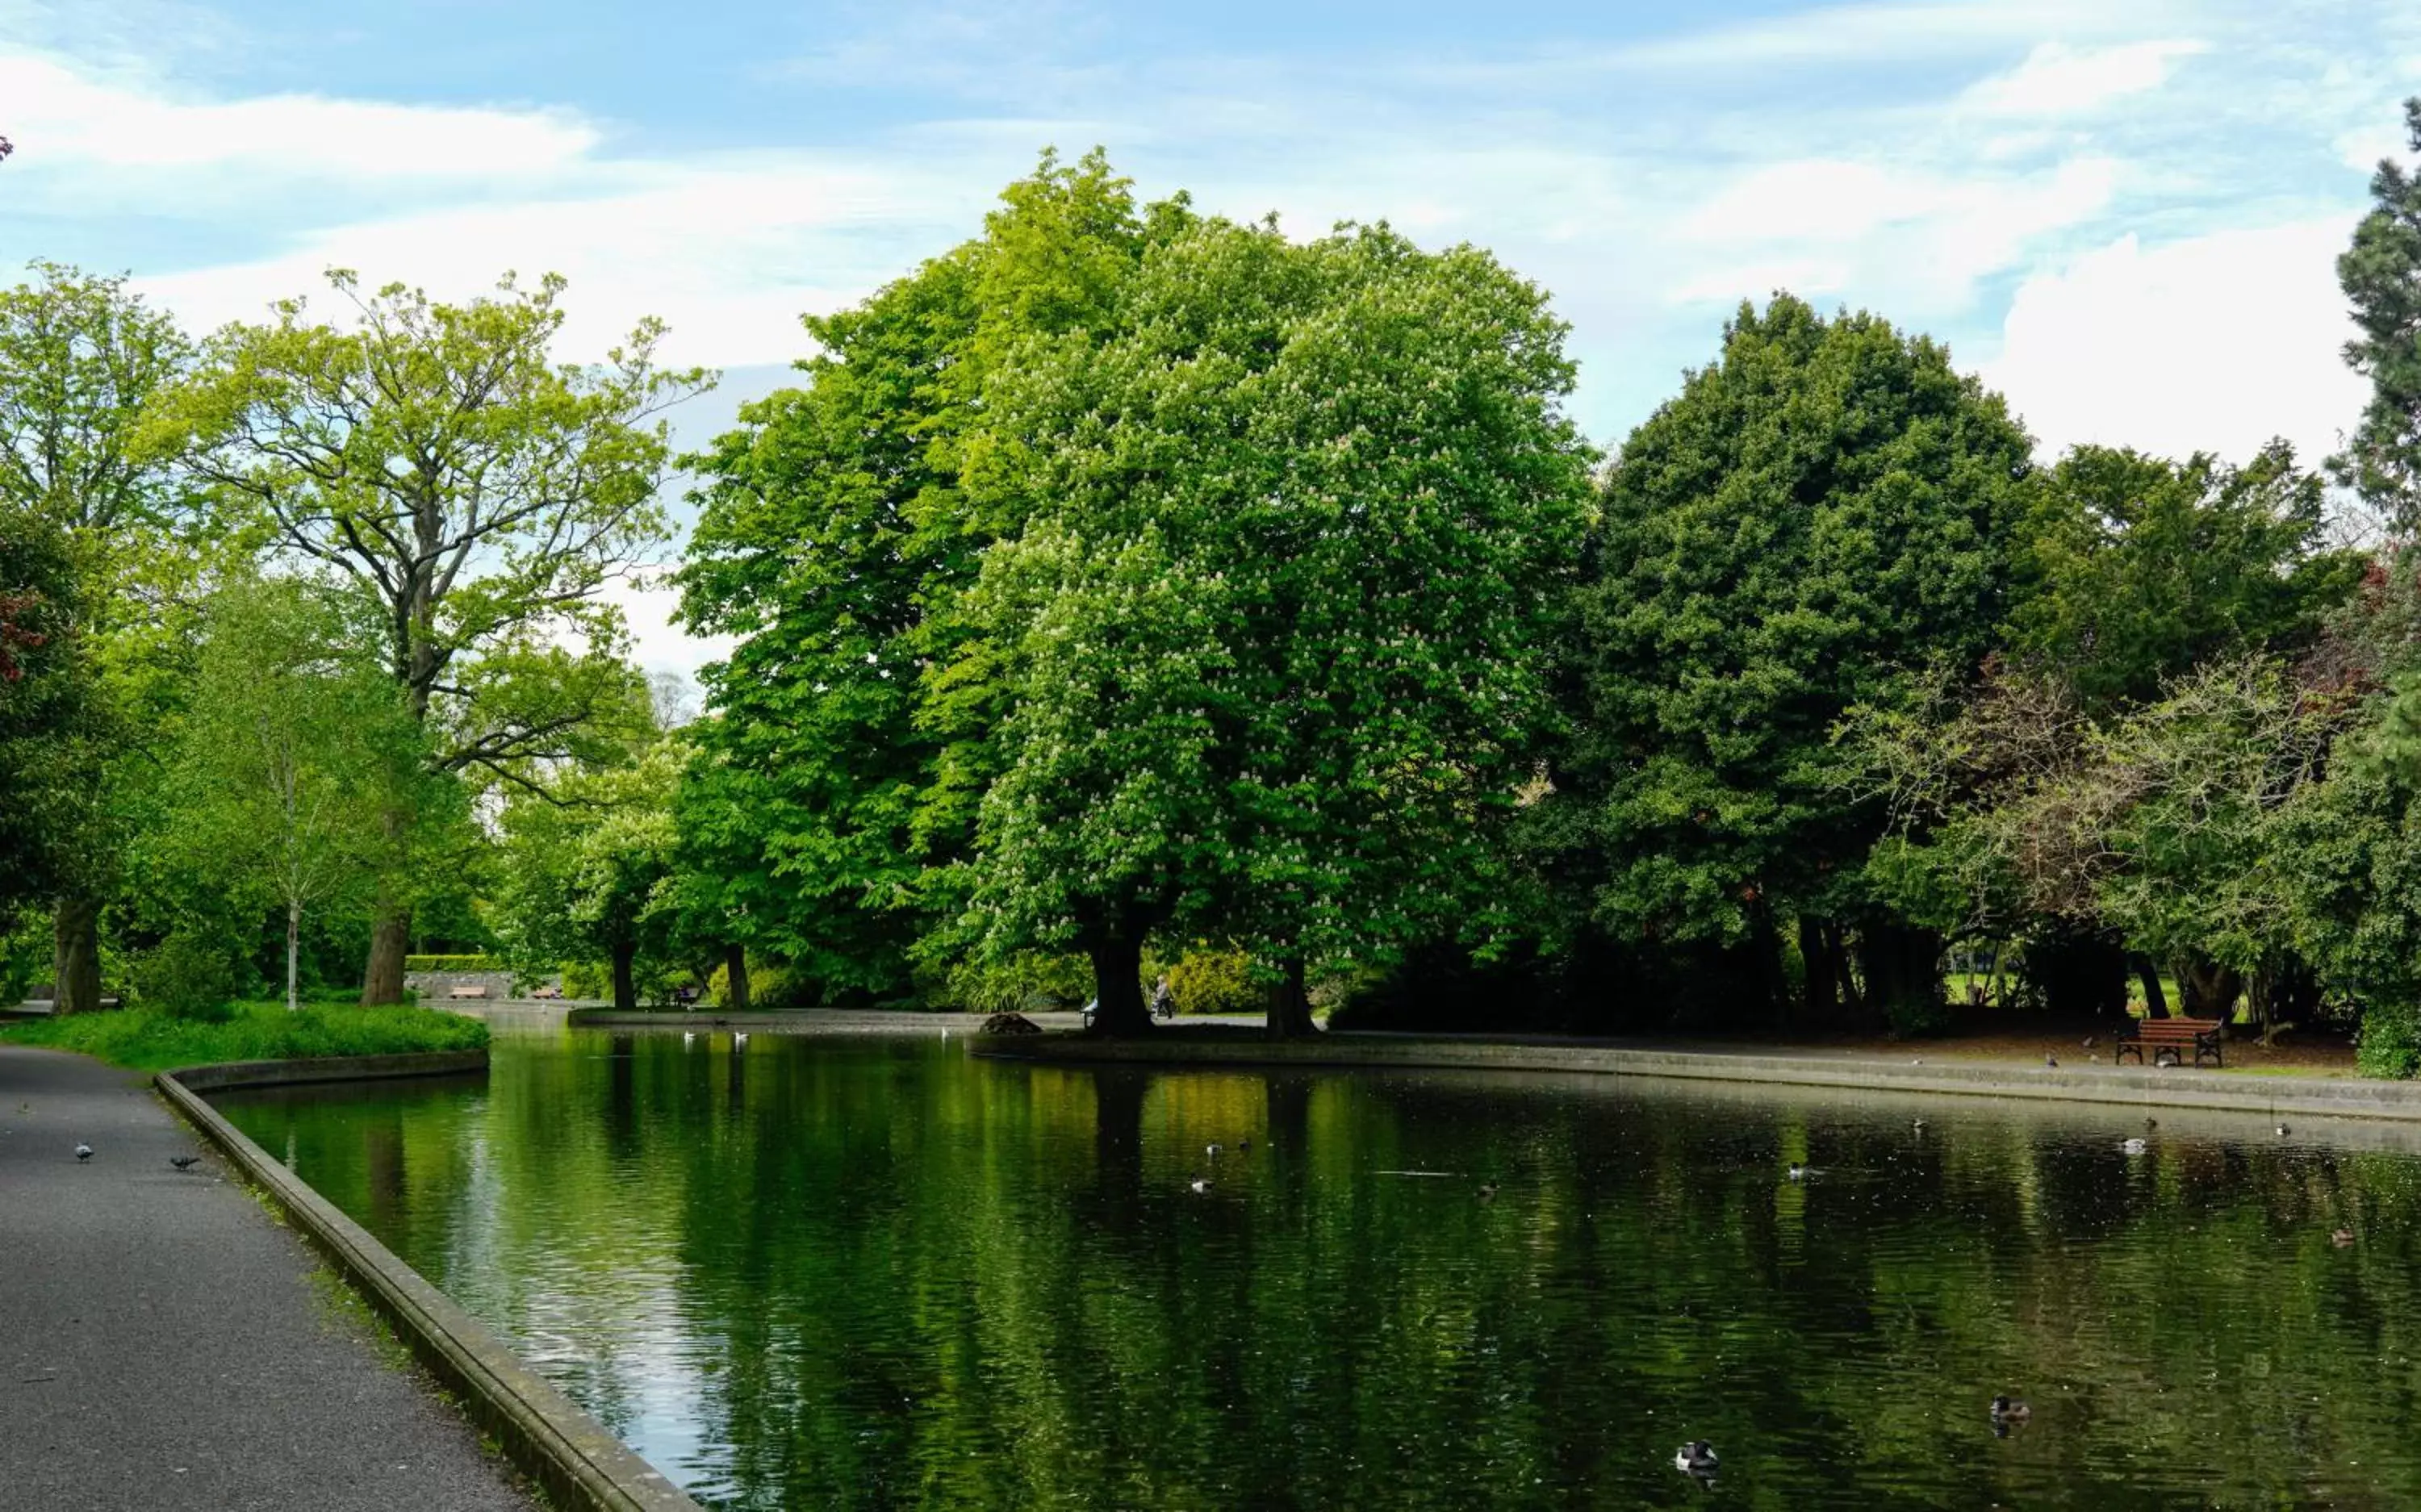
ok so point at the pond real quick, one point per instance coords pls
(872, 1272)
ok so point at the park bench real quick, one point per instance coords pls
(467, 990)
(2172, 1037)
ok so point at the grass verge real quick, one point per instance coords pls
(145, 1040)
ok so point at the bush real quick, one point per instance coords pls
(1206, 980)
(2389, 1043)
(456, 963)
(1028, 980)
(587, 979)
(187, 976)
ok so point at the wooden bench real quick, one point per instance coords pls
(2172, 1037)
(467, 990)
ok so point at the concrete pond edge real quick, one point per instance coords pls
(2218, 1091)
(578, 1462)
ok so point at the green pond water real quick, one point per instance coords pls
(872, 1273)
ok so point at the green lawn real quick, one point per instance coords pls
(150, 1042)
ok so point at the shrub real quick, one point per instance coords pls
(2389, 1043)
(587, 978)
(187, 976)
(1026, 980)
(456, 963)
(1209, 981)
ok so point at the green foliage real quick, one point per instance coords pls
(148, 1040)
(1269, 635)
(587, 867)
(1029, 980)
(45, 704)
(839, 776)
(480, 495)
(2390, 1042)
(294, 753)
(2380, 274)
(456, 963)
(190, 976)
(1822, 514)
(1207, 980)
(2138, 570)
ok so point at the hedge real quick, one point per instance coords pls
(455, 963)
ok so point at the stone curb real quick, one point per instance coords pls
(555, 1442)
(2170, 1088)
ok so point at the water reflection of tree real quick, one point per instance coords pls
(894, 1282)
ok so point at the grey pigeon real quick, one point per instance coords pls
(184, 1162)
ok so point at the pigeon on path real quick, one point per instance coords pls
(83, 1152)
(184, 1162)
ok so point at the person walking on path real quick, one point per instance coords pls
(164, 1343)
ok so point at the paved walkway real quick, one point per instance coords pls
(163, 1342)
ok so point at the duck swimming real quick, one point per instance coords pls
(2008, 1410)
(1696, 1457)
(2133, 1147)
(1797, 1171)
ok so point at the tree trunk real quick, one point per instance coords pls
(390, 941)
(1117, 984)
(2156, 1002)
(1772, 982)
(1289, 1004)
(75, 955)
(626, 983)
(1821, 956)
(293, 948)
(2210, 990)
(735, 978)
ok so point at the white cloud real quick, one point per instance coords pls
(1873, 33)
(2059, 80)
(729, 254)
(2216, 343)
(79, 120)
(1920, 238)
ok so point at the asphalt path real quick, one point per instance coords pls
(165, 1343)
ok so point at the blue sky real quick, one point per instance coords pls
(2123, 213)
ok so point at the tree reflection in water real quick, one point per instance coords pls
(872, 1274)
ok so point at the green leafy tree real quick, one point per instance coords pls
(589, 867)
(2137, 570)
(482, 494)
(293, 740)
(1271, 633)
(82, 359)
(1823, 513)
(44, 701)
(2380, 274)
(849, 742)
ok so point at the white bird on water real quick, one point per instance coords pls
(2134, 1147)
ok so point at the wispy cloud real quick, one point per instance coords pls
(79, 120)
(2059, 80)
